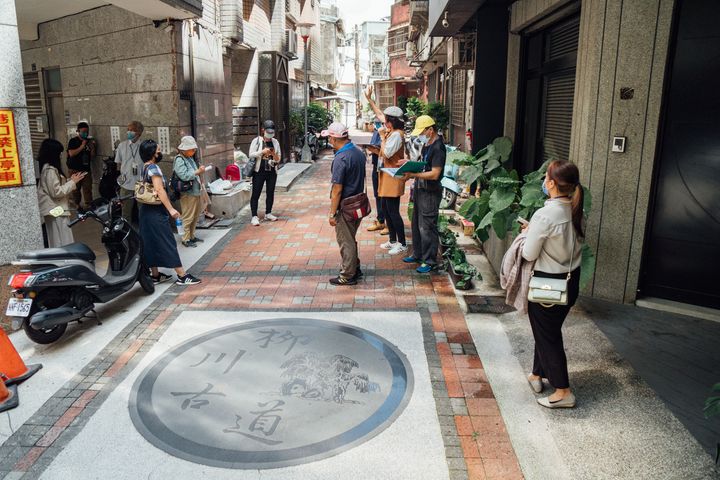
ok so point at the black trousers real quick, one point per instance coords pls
(425, 235)
(259, 179)
(393, 219)
(546, 322)
(378, 200)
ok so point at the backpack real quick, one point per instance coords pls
(232, 172)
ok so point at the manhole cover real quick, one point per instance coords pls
(271, 393)
(484, 304)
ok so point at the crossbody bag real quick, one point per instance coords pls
(549, 292)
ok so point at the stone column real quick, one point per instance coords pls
(19, 215)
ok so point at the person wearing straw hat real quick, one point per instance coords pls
(187, 170)
(428, 192)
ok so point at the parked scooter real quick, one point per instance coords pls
(57, 286)
(450, 187)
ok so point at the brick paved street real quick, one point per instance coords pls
(285, 266)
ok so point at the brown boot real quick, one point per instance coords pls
(376, 226)
(385, 231)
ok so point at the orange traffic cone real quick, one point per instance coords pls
(8, 396)
(11, 364)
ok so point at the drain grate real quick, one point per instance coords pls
(484, 304)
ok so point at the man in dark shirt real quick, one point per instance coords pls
(348, 179)
(428, 192)
(374, 149)
(80, 153)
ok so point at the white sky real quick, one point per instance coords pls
(355, 12)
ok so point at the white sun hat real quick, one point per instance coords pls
(187, 143)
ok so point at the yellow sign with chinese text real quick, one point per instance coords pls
(9, 157)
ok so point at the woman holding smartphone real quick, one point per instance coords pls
(187, 170)
(265, 150)
(554, 242)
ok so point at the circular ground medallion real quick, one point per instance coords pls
(271, 393)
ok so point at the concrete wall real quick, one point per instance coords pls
(622, 44)
(115, 67)
(18, 205)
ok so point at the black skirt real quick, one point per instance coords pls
(159, 247)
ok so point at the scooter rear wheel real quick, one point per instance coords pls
(145, 281)
(448, 199)
(45, 300)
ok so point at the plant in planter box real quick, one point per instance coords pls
(467, 273)
(504, 197)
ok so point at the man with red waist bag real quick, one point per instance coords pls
(348, 179)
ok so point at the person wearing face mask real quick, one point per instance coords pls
(348, 179)
(81, 152)
(553, 241)
(159, 247)
(130, 166)
(390, 188)
(428, 192)
(265, 150)
(374, 149)
(187, 170)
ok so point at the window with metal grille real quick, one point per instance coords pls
(385, 94)
(397, 39)
(458, 97)
(377, 69)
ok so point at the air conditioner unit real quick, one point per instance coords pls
(462, 52)
(291, 44)
(410, 50)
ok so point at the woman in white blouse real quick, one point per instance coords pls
(554, 241)
(54, 191)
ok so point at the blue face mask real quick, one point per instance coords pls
(378, 125)
(545, 190)
(130, 135)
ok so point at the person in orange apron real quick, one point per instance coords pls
(390, 189)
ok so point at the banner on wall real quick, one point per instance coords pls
(10, 175)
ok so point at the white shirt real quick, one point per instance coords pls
(128, 155)
(550, 238)
(393, 143)
(256, 148)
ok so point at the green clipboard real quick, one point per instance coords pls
(407, 167)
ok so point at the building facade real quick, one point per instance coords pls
(623, 89)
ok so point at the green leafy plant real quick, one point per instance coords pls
(414, 108)
(440, 113)
(318, 116)
(466, 272)
(504, 197)
(712, 408)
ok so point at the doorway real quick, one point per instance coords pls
(682, 251)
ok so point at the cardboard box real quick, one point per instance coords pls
(468, 227)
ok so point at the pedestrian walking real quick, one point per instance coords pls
(80, 154)
(130, 166)
(187, 170)
(374, 149)
(265, 152)
(159, 247)
(554, 241)
(54, 190)
(427, 195)
(348, 179)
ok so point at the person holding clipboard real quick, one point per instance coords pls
(428, 192)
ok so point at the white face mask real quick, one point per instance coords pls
(269, 135)
(423, 139)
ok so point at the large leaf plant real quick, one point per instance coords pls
(504, 197)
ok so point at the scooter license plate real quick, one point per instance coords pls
(19, 307)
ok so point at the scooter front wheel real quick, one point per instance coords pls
(448, 199)
(46, 300)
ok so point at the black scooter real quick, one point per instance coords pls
(57, 286)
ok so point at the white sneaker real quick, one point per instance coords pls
(388, 245)
(255, 221)
(398, 248)
(270, 217)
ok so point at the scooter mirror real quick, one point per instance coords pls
(57, 211)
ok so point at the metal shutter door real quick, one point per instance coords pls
(557, 123)
(36, 110)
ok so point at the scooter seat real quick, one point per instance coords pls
(72, 251)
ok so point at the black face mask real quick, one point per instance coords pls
(158, 157)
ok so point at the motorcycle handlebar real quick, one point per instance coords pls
(73, 222)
